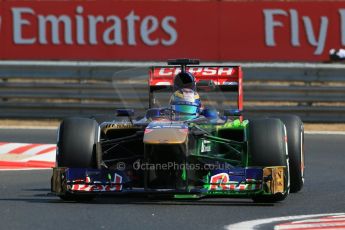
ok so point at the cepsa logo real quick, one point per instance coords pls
(83, 28)
(197, 71)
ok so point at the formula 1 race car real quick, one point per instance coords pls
(183, 154)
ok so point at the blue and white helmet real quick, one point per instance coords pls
(185, 103)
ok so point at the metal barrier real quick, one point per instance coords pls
(315, 92)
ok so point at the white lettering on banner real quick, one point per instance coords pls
(112, 35)
(294, 28)
(93, 21)
(54, 22)
(131, 18)
(169, 30)
(61, 28)
(146, 30)
(270, 24)
(342, 25)
(320, 43)
(316, 41)
(18, 23)
(80, 26)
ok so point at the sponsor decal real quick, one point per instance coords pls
(84, 30)
(221, 182)
(122, 125)
(74, 24)
(223, 75)
(196, 71)
(114, 186)
(205, 146)
(167, 125)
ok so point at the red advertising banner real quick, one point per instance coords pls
(134, 30)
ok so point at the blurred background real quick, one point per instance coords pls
(81, 58)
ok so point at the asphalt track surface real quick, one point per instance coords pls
(26, 202)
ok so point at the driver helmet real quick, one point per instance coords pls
(185, 104)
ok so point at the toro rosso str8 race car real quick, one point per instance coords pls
(183, 149)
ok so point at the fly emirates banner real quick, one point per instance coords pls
(156, 31)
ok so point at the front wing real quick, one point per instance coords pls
(237, 182)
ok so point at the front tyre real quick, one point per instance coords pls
(76, 148)
(295, 133)
(267, 147)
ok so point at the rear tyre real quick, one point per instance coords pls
(295, 133)
(267, 147)
(76, 148)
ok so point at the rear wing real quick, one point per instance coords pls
(224, 78)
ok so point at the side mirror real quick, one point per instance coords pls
(210, 113)
(125, 112)
(152, 113)
(232, 112)
(205, 85)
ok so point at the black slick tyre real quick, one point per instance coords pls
(76, 148)
(76, 144)
(295, 133)
(267, 147)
